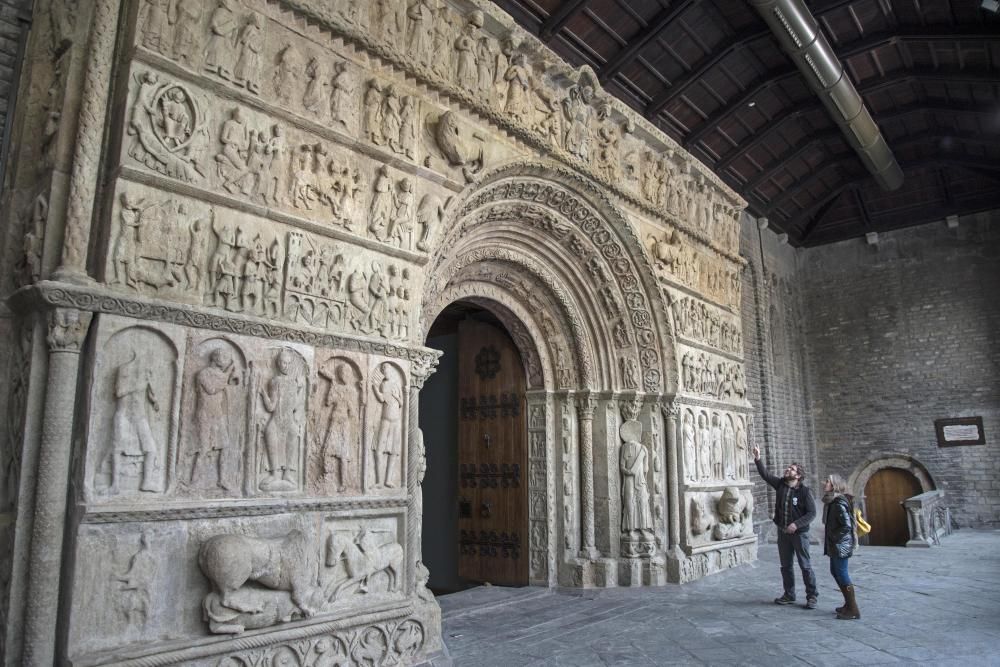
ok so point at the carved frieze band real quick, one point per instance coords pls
(581, 103)
(97, 300)
(111, 515)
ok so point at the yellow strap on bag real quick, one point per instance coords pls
(863, 526)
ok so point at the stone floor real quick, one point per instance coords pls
(937, 606)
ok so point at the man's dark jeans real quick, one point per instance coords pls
(797, 544)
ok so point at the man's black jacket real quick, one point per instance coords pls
(799, 500)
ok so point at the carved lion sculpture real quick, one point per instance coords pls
(231, 561)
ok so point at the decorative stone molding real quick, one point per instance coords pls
(876, 461)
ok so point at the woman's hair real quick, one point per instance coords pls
(839, 485)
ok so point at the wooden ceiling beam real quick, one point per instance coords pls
(803, 146)
(636, 43)
(558, 19)
(802, 184)
(821, 208)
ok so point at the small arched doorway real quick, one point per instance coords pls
(884, 493)
(474, 419)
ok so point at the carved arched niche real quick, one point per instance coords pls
(560, 266)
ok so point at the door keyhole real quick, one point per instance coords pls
(487, 439)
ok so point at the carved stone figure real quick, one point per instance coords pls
(223, 27)
(342, 108)
(133, 446)
(400, 231)
(168, 128)
(34, 241)
(341, 433)
(717, 471)
(363, 558)
(249, 45)
(630, 372)
(467, 71)
(741, 450)
(285, 79)
(231, 161)
(391, 120)
(186, 38)
(125, 254)
(735, 515)
(459, 150)
(283, 565)
(729, 448)
(430, 215)
(607, 159)
(387, 385)
(315, 95)
(408, 127)
(372, 114)
(419, 15)
(577, 113)
(486, 54)
(383, 206)
(283, 400)
(688, 437)
(518, 78)
(133, 600)
(637, 519)
(704, 447)
(215, 459)
(157, 26)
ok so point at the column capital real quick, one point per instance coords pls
(67, 327)
(670, 410)
(586, 404)
(423, 367)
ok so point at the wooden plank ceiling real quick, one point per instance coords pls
(713, 77)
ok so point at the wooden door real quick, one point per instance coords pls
(492, 457)
(883, 494)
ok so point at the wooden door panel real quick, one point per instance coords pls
(492, 456)
(884, 492)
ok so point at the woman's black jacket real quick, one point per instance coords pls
(839, 523)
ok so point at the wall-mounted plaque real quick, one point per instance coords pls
(960, 431)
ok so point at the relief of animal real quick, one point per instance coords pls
(283, 564)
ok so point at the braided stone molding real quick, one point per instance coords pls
(95, 299)
(184, 512)
(255, 640)
(330, 21)
(90, 133)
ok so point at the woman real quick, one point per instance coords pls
(838, 517)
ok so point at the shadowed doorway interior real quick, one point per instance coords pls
(884, 493)
(473, 418)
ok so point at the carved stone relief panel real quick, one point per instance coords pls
(715, 516)
(135, 400)
(386, 422)
(173, 246)
(711, 376)
(257, 161)
(677, 259)
(362, 558)
(705, 323)
(714, 446)
(338, 413)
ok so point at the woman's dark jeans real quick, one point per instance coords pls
(838, 568)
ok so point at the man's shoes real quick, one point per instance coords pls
(810, 603)
(784, 599)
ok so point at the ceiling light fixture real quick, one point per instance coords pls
(751, 104)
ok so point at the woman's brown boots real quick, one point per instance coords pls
(850, 609)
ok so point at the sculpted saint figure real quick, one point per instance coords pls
(231, 160)
(133, 601)
(126, 245)
(250, 44)
(383, 205)
(408, 127)
(717, 472)
(704, 447)
(341, 433)
(388, 390)
(634, 466)
(286, 75)
(315, 93)
(518, 80)
(729, 449)
(282, 398)
(186, 35)
(132, 440)
(391, 119)
(401, 227)
(418, 14)
(211, 423)
(222, 37)
(741, 451)
(340, 98)
(576, 109)
(467, 71)
(690, 448)
(156, 28)
(373, 113)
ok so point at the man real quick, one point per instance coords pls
(794, 510)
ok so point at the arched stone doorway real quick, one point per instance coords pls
(881, 483)
(555, 262)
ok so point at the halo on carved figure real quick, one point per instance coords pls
(517, 206)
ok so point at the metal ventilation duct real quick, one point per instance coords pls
(799, 35)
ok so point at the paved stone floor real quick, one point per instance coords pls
(937, 606)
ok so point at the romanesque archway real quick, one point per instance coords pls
(559, 265)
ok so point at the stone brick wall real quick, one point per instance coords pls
(774, 349)
(901, 334)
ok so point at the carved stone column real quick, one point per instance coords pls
(585, 406)
(670, 413)
(67, 329)
(416, 461)
(89, 141)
